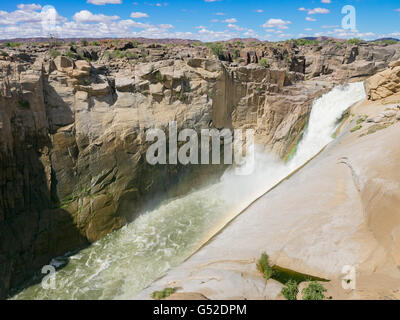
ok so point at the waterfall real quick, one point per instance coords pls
(124, 262)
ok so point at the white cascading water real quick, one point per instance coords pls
(124, 262)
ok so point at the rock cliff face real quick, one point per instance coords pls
(73, 130)
(385, 83)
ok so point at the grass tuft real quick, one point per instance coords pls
(161, 295)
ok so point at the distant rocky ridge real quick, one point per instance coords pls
(73, 121)
(171, 40)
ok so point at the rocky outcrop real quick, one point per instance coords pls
(385, 83)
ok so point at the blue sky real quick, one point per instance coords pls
(207, 20)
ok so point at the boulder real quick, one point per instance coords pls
(383, 84)
(63, 64)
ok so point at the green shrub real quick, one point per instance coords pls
(95, 43)
(135, 44)
(291, 290)
(264, 266)
(84, 42)
(130, 55)
(264, 63)
(160, 295)
(354, 41)
(3, 54)
(12, 44)
(314, 291)
(72, 44)
(54, 53)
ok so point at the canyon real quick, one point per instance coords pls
(73, 122)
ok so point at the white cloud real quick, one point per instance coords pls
(231, 20)
(137, 15)
(326, 1)
(277, 23)
(315, 10)
(87, 16)
(259, 11)
(347, 34)
(26, 14)
(318, 11)
(104, 2)
(235, 27)
(310, 19)
(29, 7)
(330, 27)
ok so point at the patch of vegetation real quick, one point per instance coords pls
(217, 49)
(95, 43)
(12, 44)
(84, 42)
(135, 44)
(85, 82)
(264, 63)
(24, 104)
(71, 54)
(159, 76)
(236, 53)
(361, 119)
(54, 53)
(354, 41)
(314, 291)
(118, 54)
(160, 295)
(376, 127)
(304, 42)
(3, 54)
(239, 44)
(72, 44)
(291, 290)
(264, 266)
(340, 123)
(356, 128)
(388, 42)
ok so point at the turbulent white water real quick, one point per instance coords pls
(123, 263)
